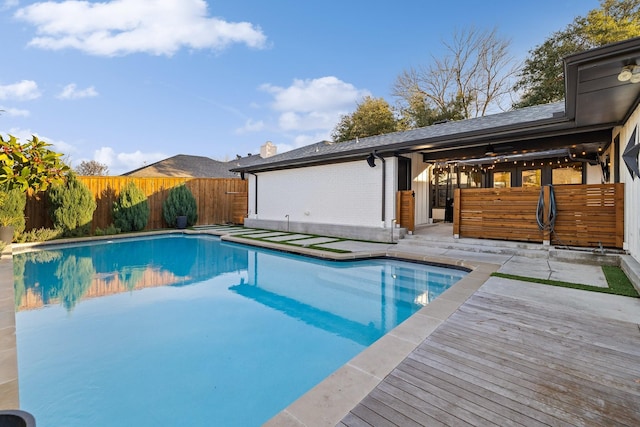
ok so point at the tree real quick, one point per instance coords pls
(473, 77)
(372, 117)
(542, 78)
(92, 168)
(180, 202)
(131, 209)
(12, 205)
(31, 167)
(72, 206)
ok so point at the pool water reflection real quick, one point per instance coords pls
(150, 331)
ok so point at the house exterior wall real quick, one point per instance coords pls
(631, 190)
(594, 174)
(345, 194)
(420, 177)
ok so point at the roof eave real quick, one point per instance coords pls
(531, 129)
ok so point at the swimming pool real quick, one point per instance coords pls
(190, 330)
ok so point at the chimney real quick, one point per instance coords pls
(268, 149)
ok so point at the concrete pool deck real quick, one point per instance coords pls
(333, 399)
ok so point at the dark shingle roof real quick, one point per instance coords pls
(251, 159)
(511, 121)
(183, 165)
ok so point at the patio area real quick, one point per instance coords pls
(492, 351)
(518, 353)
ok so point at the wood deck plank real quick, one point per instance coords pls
(481, 407)
(526, 335)
(525, 340)
(512, 410)
(537, 403)
(591, 388)
(422, 412)
(555, 366)
(500, 360)
(369, 417)
(623, 336)
(458, 413)
(569, 396)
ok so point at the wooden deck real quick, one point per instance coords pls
(501, 360)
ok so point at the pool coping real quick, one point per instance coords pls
(331, 400)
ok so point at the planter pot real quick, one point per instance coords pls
(6, 234)
(181, 222)
(16, 418)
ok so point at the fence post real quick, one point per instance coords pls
(546, 233)
(619, 212)
(456, 212)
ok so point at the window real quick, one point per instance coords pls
(502, 179)
(404, 174)
(470, 179)
(567, 175)
(444, 181)
(532, 178)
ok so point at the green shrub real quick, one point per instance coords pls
(180, 202)
(131, 209)
(39, 235)
(72, 207)
(111, 229)
(12, 204)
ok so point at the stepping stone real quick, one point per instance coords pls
(313, 241)
(289, 237)
(245, 231)
(263, 235)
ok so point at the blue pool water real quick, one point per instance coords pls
(193, 331)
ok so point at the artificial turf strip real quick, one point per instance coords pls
(618, 282)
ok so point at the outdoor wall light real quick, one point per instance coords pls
(371, 161)
(630, 73)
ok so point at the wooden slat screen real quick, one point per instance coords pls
(590, 215)
(406, 209)
(587, 215)
(218, 200)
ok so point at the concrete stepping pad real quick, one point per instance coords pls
(288, 237)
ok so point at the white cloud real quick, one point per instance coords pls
(70, 91)
(14, 112)
(309, 121)
(24, 90)
(8, 4)
(119, 163)
(120, 27)
(313, 104)
(323, 94)
(251, 126)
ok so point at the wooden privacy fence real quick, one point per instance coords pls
(585, 215)
(219, 200)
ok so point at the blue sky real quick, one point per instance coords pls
(129, 82)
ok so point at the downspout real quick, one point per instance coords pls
(384, 184)
(384, 188)
(255, 193)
